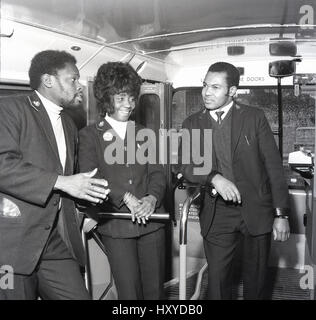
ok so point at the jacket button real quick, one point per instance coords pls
(56, 202)
(130, 181)
(47, 227)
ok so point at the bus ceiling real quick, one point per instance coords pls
(169, 41)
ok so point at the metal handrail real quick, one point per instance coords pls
(183, 243)
(89, 227)
(127, 215)
(198, 284)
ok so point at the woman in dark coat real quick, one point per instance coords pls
(135, 247)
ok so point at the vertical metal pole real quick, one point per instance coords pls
(280, 117)
(183, 244)
(87, 274)
(183, 272)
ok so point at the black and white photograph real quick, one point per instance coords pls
(159, 151)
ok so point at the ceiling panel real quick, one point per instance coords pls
(156, 26)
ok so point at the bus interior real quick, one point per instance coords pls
(171, 44)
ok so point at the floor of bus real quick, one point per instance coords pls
(282, 284)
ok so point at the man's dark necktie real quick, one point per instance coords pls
(219, 116)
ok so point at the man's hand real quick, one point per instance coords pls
(281, 229)
(83, 186)
(146, 208)
(226, 188)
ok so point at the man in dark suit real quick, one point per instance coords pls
(246, 193)
(39, 226)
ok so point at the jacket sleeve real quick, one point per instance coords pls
(19, 178)
(156, 182)
(273, 163)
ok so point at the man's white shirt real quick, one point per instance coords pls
(54, 111)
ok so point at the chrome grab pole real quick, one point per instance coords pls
(89, 227)
(183, 243)
(127, 215)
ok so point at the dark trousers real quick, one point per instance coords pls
(220, 245)
(56, 277)
(137, 265)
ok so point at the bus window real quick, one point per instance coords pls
(147, 112)
(298, 117)
(298, 121)
(7, 90)
(77, 114)
(184, 103)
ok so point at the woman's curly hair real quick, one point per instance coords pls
(114, 78)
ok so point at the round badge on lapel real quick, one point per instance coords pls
(107, 136)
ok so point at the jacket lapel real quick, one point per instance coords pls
(107, 135)
(205, 119)
(44, 123)
(105, 132)
(237, 125)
